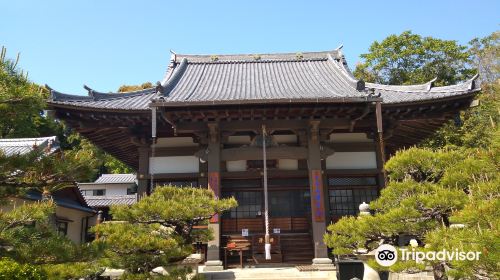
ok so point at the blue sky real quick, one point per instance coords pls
(105, 44)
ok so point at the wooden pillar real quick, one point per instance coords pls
(143, 172)
(317, 189)
(382, 178)
(213, 262)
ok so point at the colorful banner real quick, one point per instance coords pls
(213, 184)
(318, 205)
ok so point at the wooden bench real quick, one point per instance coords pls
(236, 243)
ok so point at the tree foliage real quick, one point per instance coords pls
(30, 241)
(27, 236)
(159, 229)
(428, 191)
(12, 270)
(128, 88)
(22, 105)
(101, 162)
(27, 232)
(25, 215)
(43, 172)
(477, 125)
(88, 270)
(486, 56)
(409, 58)
(20, 102)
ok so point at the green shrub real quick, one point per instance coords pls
(11, 270)
(76, 270)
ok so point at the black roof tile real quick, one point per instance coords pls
(251, 78)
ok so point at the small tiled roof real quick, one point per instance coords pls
(136, 100)
(116, 179)
(312, 77)
(12, 146)
(412, 93)
(68, 197)
(106, 201)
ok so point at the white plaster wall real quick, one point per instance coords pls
(111, 189)
(75, 230)
(288, 164)
(177, 164)
(352, 160)
(349, 138)
(236, 165)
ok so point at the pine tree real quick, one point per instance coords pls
(159, 229)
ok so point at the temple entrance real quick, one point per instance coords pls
(289, 212)
(289, 218)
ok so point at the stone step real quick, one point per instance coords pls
(278, 273)
(298, 248)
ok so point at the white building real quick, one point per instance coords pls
(108, 190)
(110, 185)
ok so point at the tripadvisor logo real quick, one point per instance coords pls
(387, 255)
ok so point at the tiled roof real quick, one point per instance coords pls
(239, 79)
(116, 179)
(193, 80)
(21, 146)
(62, 199)
(106, 201)
(413, 93)
(137, 100)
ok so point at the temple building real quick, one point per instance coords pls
(326, 137)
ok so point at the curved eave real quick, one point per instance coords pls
(345, 72)
(68, 105)
(468, 94)
(96, 95)
(402, 88)
(159, 103)
(135, 101)
(423, 93)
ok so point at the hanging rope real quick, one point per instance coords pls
(267, 246)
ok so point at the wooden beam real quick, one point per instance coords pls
(254, 153)
(351, 147)
(176, 151)
(272, 173)
(175, 176)
(347, 172)
(248, 125)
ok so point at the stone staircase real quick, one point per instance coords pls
(280, 273)
(297, 248)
